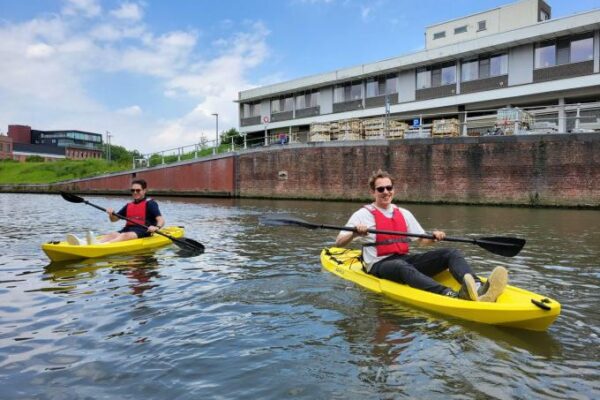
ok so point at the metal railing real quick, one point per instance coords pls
(575, 118)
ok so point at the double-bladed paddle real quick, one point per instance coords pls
(184, 243)
(504, 246)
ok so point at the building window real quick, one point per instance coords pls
(484, 67)
(348, 92)
(460, 29)
(469, 70)
(582, 50)
(250, 110)
(481, 26)
(544, 16)
(439, 35)
(499, 65)
(449, 74)
(435, 76)
(564, 51)
(423, 78)
(382, 85)
(282, 104)
(545, 56)
(307, 99)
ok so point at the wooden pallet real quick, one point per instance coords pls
(445, 127)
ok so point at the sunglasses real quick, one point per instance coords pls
(136, 190)
(381, 189)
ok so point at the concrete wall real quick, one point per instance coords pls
(501, 19)
(548, 170)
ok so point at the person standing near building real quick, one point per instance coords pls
(387, 256)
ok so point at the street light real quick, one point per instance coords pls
(216, 133)
(108, 155)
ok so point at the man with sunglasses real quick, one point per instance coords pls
(142, 210)
(387, 256)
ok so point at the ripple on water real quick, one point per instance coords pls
(257, 317)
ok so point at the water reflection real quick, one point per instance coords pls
(141, 270)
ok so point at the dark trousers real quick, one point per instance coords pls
(416, 270)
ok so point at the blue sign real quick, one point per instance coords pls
(416, 122)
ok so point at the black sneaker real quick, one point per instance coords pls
(494, 286)
(468, 289)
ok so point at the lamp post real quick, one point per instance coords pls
(216, 133)
(108, 136)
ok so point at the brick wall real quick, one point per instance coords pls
(536, 170)
(20, 133)
(547, 170)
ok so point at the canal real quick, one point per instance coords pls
(256, 317)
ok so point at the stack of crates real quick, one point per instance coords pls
(334, 129)
(396, 129)
(319, 132)
(375, 128)
(445, 127)
(513, 120)
(349, 129)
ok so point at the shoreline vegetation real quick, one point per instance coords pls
(34, 171)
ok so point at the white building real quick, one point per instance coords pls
(514, 55)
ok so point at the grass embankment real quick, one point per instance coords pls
(12, 172)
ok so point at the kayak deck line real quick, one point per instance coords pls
(516, 307)
(63, 251)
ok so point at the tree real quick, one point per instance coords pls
(121, 155)
(232, 134)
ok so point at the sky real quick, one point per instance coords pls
(153, 72)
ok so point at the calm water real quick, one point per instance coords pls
(256, 317)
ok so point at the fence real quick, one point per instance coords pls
(504, 121)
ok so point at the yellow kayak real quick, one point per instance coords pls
(515, 308)
(63, 251)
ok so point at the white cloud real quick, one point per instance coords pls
(87, 8)
(39, 50)
(49, 62)
(132, 110)
(364, 12)
(128, 11)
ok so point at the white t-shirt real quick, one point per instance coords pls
(365, 217)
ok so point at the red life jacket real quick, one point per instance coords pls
(136, 212)
(396, 223)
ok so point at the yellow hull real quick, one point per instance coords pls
(63, 251)
(513, 308)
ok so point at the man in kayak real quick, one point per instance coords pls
(387, 256)
(142, 210)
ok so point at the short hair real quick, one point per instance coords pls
(140, 182)
(377, 175)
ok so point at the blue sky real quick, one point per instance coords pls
(152, 72)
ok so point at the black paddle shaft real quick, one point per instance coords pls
(183, 242)
(419, 235)
(504, 246)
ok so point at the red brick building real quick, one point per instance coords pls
(72, 144)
